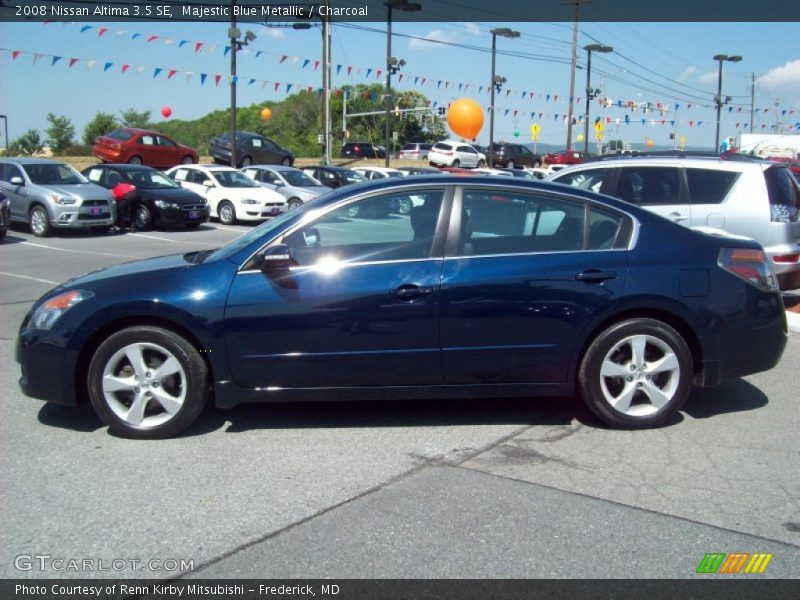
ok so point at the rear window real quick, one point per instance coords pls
(121, 135)
(442, 146)
(409, 147)
(707, 186)
(425, 146)
(784, 194)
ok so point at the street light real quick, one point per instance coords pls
(590, 92)
(502, 32)
(5, 139)
(391, 67)
(718, 100)
(236, 45)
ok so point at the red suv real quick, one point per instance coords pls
(564, 157)
(142, 147)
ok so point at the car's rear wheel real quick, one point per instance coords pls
(456, 163)
(147, 382)
(286, 162)
(187, 160)
(40, 222)
(481, 164)
(246, 161)
(537, 164)
(636, 374)
(135, 160)
(294, 203)
(226, 212)
(142, 218)
(510, 164)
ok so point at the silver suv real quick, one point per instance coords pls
(46, 194)
(734, 195)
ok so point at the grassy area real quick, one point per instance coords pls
(81, 162)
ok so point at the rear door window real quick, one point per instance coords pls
(784, 194)
(649, 186)
(707, 186)
(589, 179)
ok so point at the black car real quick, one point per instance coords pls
(251, 149)
(513, 156)
(156, 200)
(334, 177)
(5, 215)
(362, 150)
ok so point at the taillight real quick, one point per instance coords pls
(786, 258)
(749, 264)
(783, 213)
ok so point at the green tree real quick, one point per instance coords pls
(61, 132)
(134, 118)
(28, 144)
(101, 124)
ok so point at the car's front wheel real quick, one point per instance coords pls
(187, 160)
(142, 218)
(286, 162)
(510, 164)
(135, 160)
(40, 222)
(226, 212)
(636, 374)
(404, 206)
(147, 382)
(294, 203)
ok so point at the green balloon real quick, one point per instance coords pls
(516, 133)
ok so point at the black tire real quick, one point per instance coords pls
(456, 163)
(591, 382)
(135, 160)
(187, 160)
(481, 164)
(245, 162)
(194, 379)
(286, 162)
(226, 212)
(142, 217)
(3, 231)
(39, 221)
(537, 164)
(100, 228)
(404, 206)
(293, 203)
(510, 164)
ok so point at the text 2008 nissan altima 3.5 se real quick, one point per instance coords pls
(487, 287)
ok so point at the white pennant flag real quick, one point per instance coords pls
(189, 75)
(90, 63)
(140, 68)
(211, 48)
(36, 57)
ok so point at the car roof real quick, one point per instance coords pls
(138, 130)
(672, 159)
(121, 167)
(31, 160)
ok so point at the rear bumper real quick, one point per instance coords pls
(175, 216)
(111, 156)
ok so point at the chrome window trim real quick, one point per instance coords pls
(350, 264)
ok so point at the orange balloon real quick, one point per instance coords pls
(649, 143)
(266, 114)
(465, 118)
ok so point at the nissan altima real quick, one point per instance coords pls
(489, 286)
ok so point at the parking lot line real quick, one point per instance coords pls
(78, 251)
(155, 237)
(237, 229)
(29, 277)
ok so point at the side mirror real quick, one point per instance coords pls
(16, 180)
(208, 183)
(279, 183)
(276, 258)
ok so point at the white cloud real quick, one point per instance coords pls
(708, 78)
(272, 32)
(686, 73)
(787, 76)
(472, 28)
(437, 35)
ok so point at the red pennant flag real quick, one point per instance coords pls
(508, 92)
(14, 54)
(308, 90)
(378, 74)
(216, 79)
(197, 46)
(125, 68)
(101, 31)
(423, 80)
(691, 123)
(608, 120)
(72, 61)
(515, 114)
(152, 38)
(171, 72)
(349, 69)
(540, 115)
(277, 85)
(316, 64)
(737, 126)
(555, 98)
(283, 58)
(446, 84)
(400, 78)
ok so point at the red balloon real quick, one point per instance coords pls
(166, 111)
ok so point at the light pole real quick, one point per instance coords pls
(718, 100)
(236, 45)
(590, 92)
(496, 83)
(5, 124)
(392, 67)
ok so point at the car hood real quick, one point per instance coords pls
(311, 191)
(255, 193)
(79, 191)
(177, 195)
(155, 266)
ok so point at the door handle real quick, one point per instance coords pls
(677, 217)
(410, 292)
(595, 275)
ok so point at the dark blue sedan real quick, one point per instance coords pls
(487, 287)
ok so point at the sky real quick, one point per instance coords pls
(667, 64)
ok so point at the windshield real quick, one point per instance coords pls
(233, 179)
(353, 176)
(53, 174)
(299, 179)
(151, 180)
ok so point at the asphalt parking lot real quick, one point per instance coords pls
(478, 488)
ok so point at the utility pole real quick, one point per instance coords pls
(777, 102)
(326, 87)
(574, 63)
(752, 99)
(234, 33)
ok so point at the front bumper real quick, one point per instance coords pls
(45, 373)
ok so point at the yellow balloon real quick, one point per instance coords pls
(266, 114)
(465, 118)
(580, 137)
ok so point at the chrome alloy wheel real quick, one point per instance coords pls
(144, 384)
(640, 375)
(38, 221)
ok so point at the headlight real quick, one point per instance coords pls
(48, 313)
(249, 201)
(62, 199)
(160, 204)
